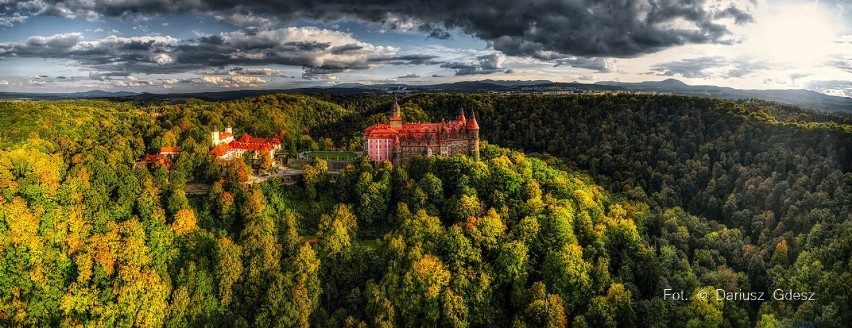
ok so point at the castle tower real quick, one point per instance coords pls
(461, 117)
(473, 136)
(396, 115)
(214, 136)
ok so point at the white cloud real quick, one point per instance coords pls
(8, 21)
(163, 59)
(232, 80)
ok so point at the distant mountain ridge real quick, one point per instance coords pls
(799, 97)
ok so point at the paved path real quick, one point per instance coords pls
(287, 174)
(193, 188)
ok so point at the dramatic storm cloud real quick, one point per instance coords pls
(190, 45)
(308, 47)
(545, 28)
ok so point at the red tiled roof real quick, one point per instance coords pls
(223, 135)
(472, 125)
(246, 142)
(247, 138)
(151, 158)
(383, 130)
(220, 150)
(173, 149)
(157, 158)
(249, 146)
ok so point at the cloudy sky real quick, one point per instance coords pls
(208, 45)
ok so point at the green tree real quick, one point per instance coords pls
(568, 274)
(544, 310)
(228, 268)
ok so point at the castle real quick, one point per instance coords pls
(225, 147)
(398, 142)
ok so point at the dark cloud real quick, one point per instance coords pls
(406, 60)
(346, 48)
(305, 47)
(243, 20)
(739, 16)
(41, 79)
(842, 63)
(544, 29)
(485, 64)
(708, 67)
(107, 75)
(434, 32)
(313, 73)
(149, 54)
(597, 64)
(256, 71)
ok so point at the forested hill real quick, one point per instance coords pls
(777, 176)
(694, 195)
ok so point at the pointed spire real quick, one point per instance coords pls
(472, 125)
(461, 117)
(395, 108)
(396, 115)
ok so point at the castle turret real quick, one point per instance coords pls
(471, 124)
(461, 117)
(396, 115)
(473, 135)
(214, 136)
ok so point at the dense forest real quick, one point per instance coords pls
(605, 201)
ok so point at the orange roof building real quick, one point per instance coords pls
(398, 142)
(164, 157)
(225, 147)
(174, 150)
(156, 159)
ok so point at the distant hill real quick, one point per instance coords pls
(799, 97)
(803, 98)
(72, 95)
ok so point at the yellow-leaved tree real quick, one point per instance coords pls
(185, 222)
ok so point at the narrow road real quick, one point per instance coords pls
(287, 173)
